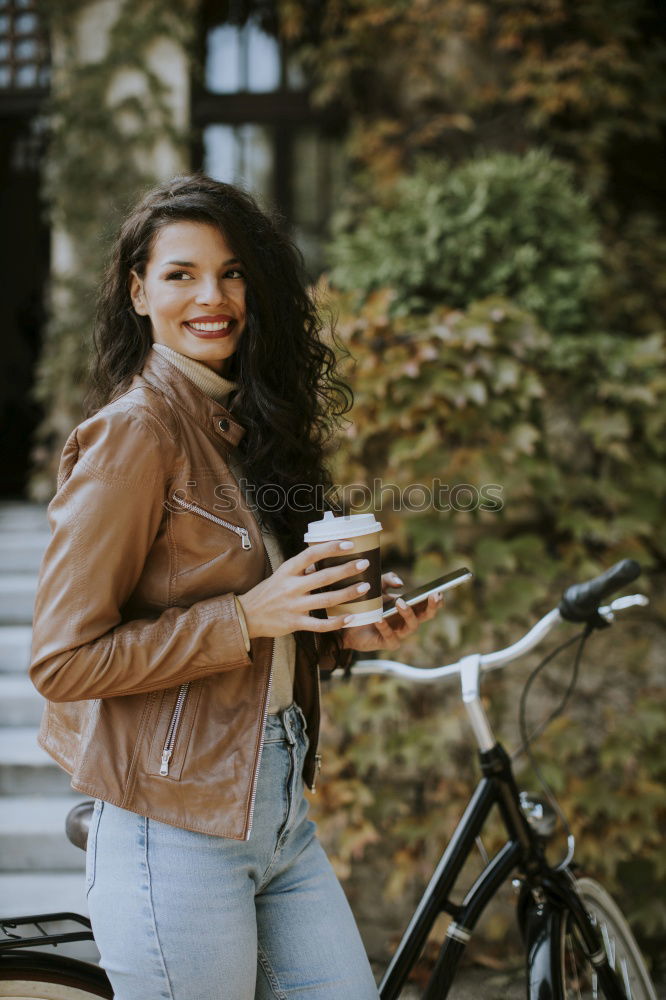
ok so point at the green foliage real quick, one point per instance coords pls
(109, 118)
(449, 76)
(498, 225)
(614, 796)
(634, 280)
(453, 79)
(570, 429)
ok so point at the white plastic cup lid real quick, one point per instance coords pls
(331, 527)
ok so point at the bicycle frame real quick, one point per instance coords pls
(497, 787)
(548, 897)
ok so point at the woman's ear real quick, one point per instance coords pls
(136, 294)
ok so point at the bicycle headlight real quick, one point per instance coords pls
(539, 814)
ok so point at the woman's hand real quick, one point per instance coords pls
(282, 603)
(389, 633)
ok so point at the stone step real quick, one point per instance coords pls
(26, 769)
(23, 894)
(20, 703)
(32, 834)
(21, 552)
(27, 517)
(14, 648)
(17, 598)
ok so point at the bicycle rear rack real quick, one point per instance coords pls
(12, 940)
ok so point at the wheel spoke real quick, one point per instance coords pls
(625, 979)
(609, 945)
(595, 986)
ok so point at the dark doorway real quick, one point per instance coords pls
(24, 248)
(24, 266)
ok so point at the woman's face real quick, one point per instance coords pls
(194, 293)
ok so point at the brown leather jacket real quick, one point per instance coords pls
(154, 703)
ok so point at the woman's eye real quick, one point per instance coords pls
(233, 273)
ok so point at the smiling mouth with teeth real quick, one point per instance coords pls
(209, 327)
(209, 330)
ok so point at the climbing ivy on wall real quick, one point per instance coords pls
(108, 118)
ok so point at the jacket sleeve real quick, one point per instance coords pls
(104, 518)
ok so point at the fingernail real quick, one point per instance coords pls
(401, 603)
(346, 546)
(362, 564)
(347, 619)
(396, 578)
(362, 587)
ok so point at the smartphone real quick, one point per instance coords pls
(421, 594)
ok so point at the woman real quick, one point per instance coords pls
(173, 634)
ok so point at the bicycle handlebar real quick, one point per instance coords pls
(580, 601)
(490, 661)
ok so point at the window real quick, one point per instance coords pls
(24, 57)
(258, 129)
(242, 58)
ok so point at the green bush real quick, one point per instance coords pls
(496, 225)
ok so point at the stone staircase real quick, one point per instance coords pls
(40, 871)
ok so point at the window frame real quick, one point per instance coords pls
(286, 110)
(17, 100)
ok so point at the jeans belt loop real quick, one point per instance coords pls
(301, 716)
(286, 722)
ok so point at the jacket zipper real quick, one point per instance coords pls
(246, 541)
(313, 786)
(172, 731)
(255, 777)
(317, 757)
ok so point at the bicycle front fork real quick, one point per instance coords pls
(545, 915)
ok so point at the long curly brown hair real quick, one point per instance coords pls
(289, 397)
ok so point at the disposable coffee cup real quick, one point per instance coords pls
(363, 530)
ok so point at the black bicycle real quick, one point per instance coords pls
(578, 946)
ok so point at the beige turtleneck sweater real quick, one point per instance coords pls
(284, 649)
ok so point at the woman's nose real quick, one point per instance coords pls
(210, 292)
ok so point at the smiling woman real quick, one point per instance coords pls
(177, 640)
(198, 309)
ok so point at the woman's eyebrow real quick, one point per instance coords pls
(190, 263)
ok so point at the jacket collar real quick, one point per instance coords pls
(206, 412)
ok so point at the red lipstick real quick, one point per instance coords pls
(211, 334)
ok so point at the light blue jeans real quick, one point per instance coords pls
(186, 916)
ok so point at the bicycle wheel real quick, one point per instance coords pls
(579, 978)
(40, 976)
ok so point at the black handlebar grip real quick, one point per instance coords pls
(580, 601)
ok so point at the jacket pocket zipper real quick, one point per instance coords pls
(172, 731)
(246, 541)
(255, 776)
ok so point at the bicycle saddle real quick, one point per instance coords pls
(77, 823)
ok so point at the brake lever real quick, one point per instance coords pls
(629, 601)
(607, 611)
